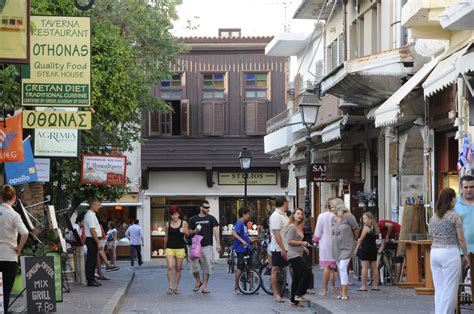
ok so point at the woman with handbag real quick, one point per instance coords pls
(175, 246)
(10, 225)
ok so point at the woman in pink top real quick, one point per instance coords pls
(322, 235)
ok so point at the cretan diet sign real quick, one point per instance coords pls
(59, 73)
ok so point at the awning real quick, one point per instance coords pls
(465, 63)
(331, 132)
(370, 80)
(445, 73)
(389, 112)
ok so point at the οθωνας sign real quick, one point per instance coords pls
(55, 119)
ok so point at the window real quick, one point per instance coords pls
(172, 88)
(175, 81)
(256, 85)
(229, 32)
(213, 86)
(175, 122)
(212, 119)
(335, 53)
(256, 116)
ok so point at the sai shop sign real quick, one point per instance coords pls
(104, 170)
(59, 73)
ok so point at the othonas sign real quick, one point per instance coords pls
(104, 170)
(55, 119)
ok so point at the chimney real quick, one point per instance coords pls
(229, 32)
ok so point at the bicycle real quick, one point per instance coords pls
(231, 261)
(265, 274)
(249, 280)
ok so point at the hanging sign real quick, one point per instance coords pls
(23, 171)
(43, 166)
(57, 119)
(59, 73)
(318, 172)
(104, 170)
(14, 30)
(11, 139)
(56, 142)
(38, 279)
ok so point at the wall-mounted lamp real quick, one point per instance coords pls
(459, 135)
(459, 121)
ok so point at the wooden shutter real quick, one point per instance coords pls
(154, 121)
(207, 119)
(256, 117)
(213, 123)
(185, 117)
(219, 125)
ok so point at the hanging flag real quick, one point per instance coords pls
(11, 135)
(464, 159)
(23, 171)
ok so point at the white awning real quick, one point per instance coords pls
(465, 63)
(389, 112)
(370, 80)
(444, 74)
(332, 131)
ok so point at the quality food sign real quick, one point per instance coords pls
(59, 73)
(104, 170)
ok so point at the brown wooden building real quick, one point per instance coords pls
(222, 92)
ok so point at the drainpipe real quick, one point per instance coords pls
(344, 27)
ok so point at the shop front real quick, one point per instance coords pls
(187, 189)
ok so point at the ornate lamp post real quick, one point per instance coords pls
(309, 115)
(245, 158)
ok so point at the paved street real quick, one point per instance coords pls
(147, 294)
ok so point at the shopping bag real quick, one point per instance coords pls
(196, 249)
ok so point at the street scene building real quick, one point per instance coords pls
(292, 156)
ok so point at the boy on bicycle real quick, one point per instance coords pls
(241, 243)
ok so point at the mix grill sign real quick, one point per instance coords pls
(59, 73)
(54, 119)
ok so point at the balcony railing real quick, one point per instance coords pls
(279, 120)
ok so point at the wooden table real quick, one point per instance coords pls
(413, 264)
(428, 287)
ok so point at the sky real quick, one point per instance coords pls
(254, 17)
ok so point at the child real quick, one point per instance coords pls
(241, 243)
(367, 251)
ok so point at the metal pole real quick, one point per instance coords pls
(307, 210)
(246, 175)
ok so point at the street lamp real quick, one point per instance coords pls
(309, 107)
(245, 158)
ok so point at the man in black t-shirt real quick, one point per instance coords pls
(207, 226)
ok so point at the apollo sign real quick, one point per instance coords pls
(56, 119)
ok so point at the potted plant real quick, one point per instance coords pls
(366, 198)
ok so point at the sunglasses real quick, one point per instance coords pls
(206, 207)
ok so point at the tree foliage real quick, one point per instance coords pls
(132, 48)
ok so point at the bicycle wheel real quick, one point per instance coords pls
(266, 278)
(282, 281)
(249, 281)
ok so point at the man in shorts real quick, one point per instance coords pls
(207, 226)
(241, 243)
(278, 222)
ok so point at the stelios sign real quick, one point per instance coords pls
(59, 73)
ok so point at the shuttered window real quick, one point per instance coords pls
(173, 123)
(154, 123)
(213, 119)
(256, 115)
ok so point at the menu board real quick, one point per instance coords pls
(38, 279)
(57, 275)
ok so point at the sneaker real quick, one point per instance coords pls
(237, 292)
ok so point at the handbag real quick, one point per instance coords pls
(196, 249)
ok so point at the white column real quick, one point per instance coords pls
(145, 220)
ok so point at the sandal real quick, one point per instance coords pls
(280, 300)
(375, 289)
(362, 289)
(296, 304)
(196, 289)
(323, 293)
(340, 297)
(170, 291)
(206, 291)
(176, 291)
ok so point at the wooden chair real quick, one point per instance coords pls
(463, 297)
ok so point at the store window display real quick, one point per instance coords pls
(260, 208)
(159, 216)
